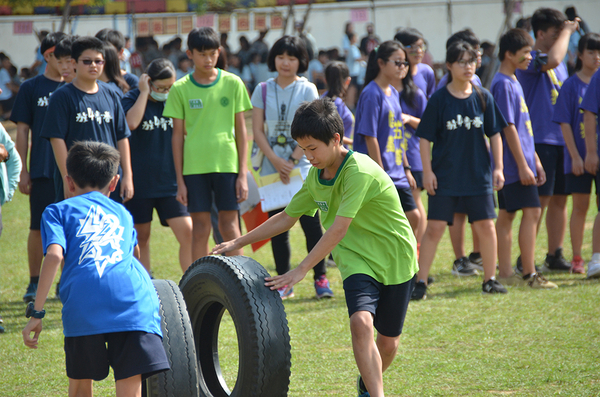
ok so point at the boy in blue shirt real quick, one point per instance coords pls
(37, 180)
(110, 307)
(87, 110)
(523, 171)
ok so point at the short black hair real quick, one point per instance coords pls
(113, 37)
(63, 48)
(294, 47)
(160, 69)
(409, 36)
(50, 41)
(92, 164)
(546, 18)
(86, 43)
(201, 39)
(512, 41)
(318, 119)
(463, 35)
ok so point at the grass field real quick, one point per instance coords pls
(456, 343)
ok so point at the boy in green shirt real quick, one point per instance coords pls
(209, 141)
(371, 239)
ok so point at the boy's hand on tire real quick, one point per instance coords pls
(288, 279)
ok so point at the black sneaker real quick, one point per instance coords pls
(556, 262)
(519, 267)
(361, 388)
(462, 268)
(492, 286)
(419, 292)
(430, 280)
(476, 260)
(30, 293)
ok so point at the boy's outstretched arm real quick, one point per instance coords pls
(326, 244)
(241, 142)
(54, 256)
(127, 182)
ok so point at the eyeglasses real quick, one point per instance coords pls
(400, 64)
(161, 89)
(413, 49)
(88, 62)
(463, 63)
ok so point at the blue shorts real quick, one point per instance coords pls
(141, 209)
(552, 159)
(406, 199)
(41, 196)
(418, 175)
(128, 353)
(201, 186)
(515, 196)
(442, 208)
(387, 303)
(579, 184)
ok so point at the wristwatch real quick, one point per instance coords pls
(31, 312)
(293, 160)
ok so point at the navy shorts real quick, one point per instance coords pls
(442, 208)
(141, 209)
(128, 353)
(387, 303)
(406, 199)
(201, 186)
(41, 196)
(579, 183)
(552, 158)
(515, 196)
(418, 175)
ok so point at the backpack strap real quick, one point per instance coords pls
(263, 87)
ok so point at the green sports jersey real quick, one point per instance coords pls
(209, 115)
(379, 241)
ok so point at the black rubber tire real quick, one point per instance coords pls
(178, 339)
(215, 283)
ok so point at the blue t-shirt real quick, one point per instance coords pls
(541, 90)
(444, 81)
(413, 153)
(567, 111)
(591, 101)
(103, 288)
(132, 80)
(457, 128)
(30, 108)
(380, 116)
(425, 79)
(151, 153)
(509, 96)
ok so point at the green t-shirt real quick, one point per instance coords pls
(209, 115)
(379, 241)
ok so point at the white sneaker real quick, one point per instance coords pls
(594, 266)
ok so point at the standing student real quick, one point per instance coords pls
(152, 162)
(338, 80)
(111, 72)
(37, 179)
(523, 171)
(62, 53)
(361, 211)
(379, 129)
(422, 74)
(284, 94)
(117, 39)
(468, 36)
(457, 173)
(591, 107)
(578, 182)
(541, 83)
(209, 140)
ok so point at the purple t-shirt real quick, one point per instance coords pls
(425, 79)
(567, 111)
(413, 153)
(380, 116)
(509, 97)
(591, 100)
(345, 114)
(541, 90)
(444, 81)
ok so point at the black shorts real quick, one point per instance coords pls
(141, 209)
(128, 353)
(201, 186)
(442, 208)
(406, 199)
(418, 175)
(387, 303)
(515, 196)
(552, 158)
(41, 196)
(579, 184)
